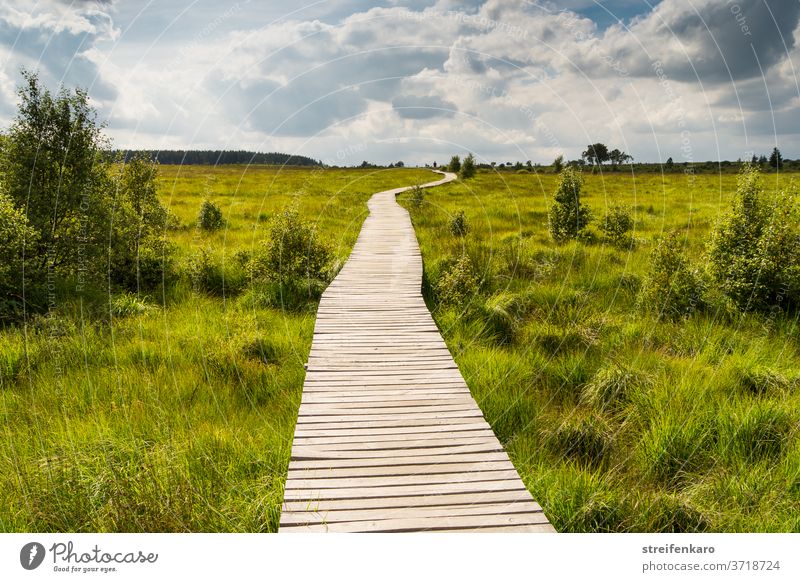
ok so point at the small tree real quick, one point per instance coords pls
(558, 164)
(568, 216)
(618, 157)
(617, 225)
(596, 153)
(17, 238)
(459, 225)
(417, 196)
(210, 216)
(139, 253)
(670, 164)
(55, 168)
(467, 167)
(672, 288)
(754, 250)
(775, 159)
(454, 165)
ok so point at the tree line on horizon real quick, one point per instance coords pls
(216, 157)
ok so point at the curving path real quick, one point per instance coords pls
(388, 437)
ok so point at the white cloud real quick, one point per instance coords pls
(506, 79)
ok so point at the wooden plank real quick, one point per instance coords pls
(399, 462)
(344, 515)
(388, 470)
(430, 500)
(313, 452)
(425, 523)
(477, 487)
(392, 480)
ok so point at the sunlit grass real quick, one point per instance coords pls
(616, 420)
(171, 410)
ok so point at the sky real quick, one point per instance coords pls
(349, 80)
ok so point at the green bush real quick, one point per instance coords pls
(457, 283)
(210, 217)
(467, 168)
(671, 288)
(54, 150)
(458, 224)
(417, 196)
(208, 275)
(17, 238)
(754, 251)
(95, 222)
(140, 256)
(292, 255)
(454, 165)
(567, 215)
(617, 226)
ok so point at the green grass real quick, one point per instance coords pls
(615, 419)
(173, 410)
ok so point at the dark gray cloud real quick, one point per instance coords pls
(423, 106)
(714, 41)
(59, 50)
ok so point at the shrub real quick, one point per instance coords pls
(754, 251)
(417, 196)
(457, 283)
(617, 225)
(293, 255)
(205, 273)
(454, 165)
(16, 240)
(567, 215)
(458, 224)
(671, 288)
(210, 217)
(140, 255)
(467, 168)
(558, 164)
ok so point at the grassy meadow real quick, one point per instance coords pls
(174, 410)
(616, 419)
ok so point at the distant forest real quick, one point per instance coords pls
(216, 157)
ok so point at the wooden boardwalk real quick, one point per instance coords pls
(388, 437)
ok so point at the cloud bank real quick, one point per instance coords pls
(505, 79)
